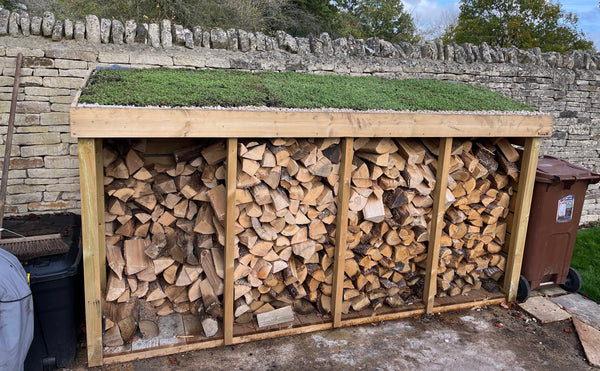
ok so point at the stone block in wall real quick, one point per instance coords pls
(60, 107)
(43, 150)
(185, 59)
(62, 187)
(51, 206)
(46, 91)
(54, 118)
(23, 198)
(50, 196)
(64, 53)
(243, 40)
(36, 25)
(13, 24)
(72, 73)
(36, 139)
(17, 174)
(45, 72)
(68, 25)
(178, 36)
(47, 24)
(141, 34)
(105, 30)
(24, 164)
(37, 62)
(25, 24)
(59, 129)
(68, 196)
(117, 32)
(61, 162)
(6, 81)
(218, 38)
(154, 35)
(4, 17)
(130, 27)
(79, 31)
(62, 82)
(153, 59)
(92, 29)
(12, 51)
(57, 31)
(15, 150)
(189, 39)
(32, 107)
(166, 38)
(197, 33)
(70, 64)
(206, 39)
(52, 173)
(23, 188)
(232, 40)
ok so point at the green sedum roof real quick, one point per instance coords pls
(210, 88)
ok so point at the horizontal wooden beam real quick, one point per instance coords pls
(131, 122)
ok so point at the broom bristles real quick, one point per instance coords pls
(26, 248)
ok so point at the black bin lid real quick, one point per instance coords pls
(552, 169)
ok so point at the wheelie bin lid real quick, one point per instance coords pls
(552, 169)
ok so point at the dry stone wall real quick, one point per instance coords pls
(58, 53)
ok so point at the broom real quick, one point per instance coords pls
(23, 248)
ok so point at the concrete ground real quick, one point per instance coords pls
(498, 337)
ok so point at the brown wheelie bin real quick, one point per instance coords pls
(556, 206)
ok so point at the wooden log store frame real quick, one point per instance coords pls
(91, 124)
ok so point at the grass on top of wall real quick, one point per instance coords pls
(205, 88)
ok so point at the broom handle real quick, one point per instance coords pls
(9, 138)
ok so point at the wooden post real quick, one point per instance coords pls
(521, 217)
(94, 261)
(341, 228)
(229, 240)
(437, 223)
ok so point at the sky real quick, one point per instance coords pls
(433, 15)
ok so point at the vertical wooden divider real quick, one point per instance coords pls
(229, 240)
(521, 217)
(94, 258)
(341, 228)
(437, 223)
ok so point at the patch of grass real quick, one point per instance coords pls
(181, 88)
(586, 259)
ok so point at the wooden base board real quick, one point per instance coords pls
(310, 323)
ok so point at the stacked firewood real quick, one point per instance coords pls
(285, 225)
(479, 189)
(165, 233)
(389, 218)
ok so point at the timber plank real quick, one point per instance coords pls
(437, 222)
(94, 258)
(521, 217)
(126, 122)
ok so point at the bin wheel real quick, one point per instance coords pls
(573, 282)
(523, 290)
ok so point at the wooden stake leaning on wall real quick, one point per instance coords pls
(230, 240)
(521, 217)
(341, 228)
(437, 223)
(92, 221)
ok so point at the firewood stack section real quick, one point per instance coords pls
(480, 185)
(165, 212)
(389, 216)
(285, 228)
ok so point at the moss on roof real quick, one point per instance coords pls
(205, 88)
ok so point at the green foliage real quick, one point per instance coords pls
(180, 88)
(586, 259)
(376, 18)
(521, 23)
(251, 15)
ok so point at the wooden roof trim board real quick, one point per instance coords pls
(132, 122)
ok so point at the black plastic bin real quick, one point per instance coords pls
(57, 293)
(556, 207)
